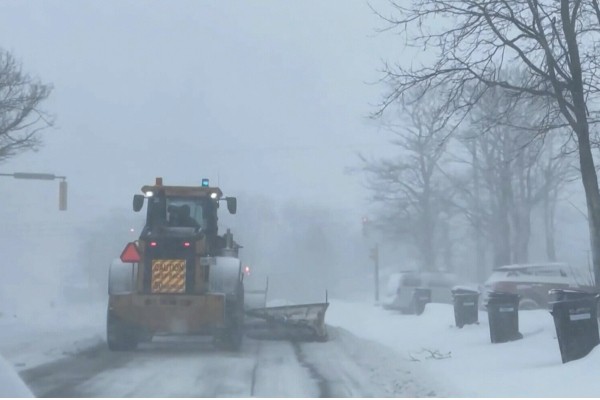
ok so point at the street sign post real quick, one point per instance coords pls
(374, 255)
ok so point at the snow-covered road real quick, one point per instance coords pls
(345, 366)
(370, 352)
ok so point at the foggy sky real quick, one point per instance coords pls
(264, 97)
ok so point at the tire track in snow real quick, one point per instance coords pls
(255, 369)
(323, 385)
(61, 378)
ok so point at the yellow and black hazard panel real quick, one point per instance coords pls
(168, 276)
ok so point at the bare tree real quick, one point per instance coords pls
(555, 167)
(509, 173)
(474, 40)
(21, 118)
(409, 185)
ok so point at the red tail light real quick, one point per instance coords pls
(153, 244)
(186, 244)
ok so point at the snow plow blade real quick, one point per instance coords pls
(296, 322)
(257, 298)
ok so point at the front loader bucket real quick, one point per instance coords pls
(296, 322)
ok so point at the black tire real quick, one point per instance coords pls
(119, 336)
(231, 337)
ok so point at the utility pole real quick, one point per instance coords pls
(373, 254)
(375, 257)
(62, 185)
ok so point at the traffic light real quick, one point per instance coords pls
(62, 195)
(374, 254)
(365, 226)
(40, 176)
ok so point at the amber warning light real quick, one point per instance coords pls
(130, 254)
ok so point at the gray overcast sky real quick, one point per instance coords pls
(267, 96)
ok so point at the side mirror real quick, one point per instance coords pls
(138, 202)
(232, 204)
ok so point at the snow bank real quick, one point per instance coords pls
(466, 361)
(11, 384)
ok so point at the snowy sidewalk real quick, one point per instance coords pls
(464, 360)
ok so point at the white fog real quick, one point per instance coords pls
(342, 132)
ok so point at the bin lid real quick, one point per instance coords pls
(571, 291)
(464, 289)
(503, 295)
(570, 294)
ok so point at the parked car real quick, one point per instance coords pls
(533, 281)
(400, 288)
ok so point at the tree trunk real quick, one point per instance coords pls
(481, 268)
(549, 209)
(592, 196)
(522, 209)
(502, 245)
(428, 253)
(521, 235)
(580, 125)
(447, 245)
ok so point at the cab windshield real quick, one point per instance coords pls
(185, 212)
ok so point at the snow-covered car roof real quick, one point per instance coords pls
(528, 266)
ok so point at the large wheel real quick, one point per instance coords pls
(119, 336)
(232, 336)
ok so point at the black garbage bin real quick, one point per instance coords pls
(576, 322)
(466, 302)
(421, 296)
(503, 317)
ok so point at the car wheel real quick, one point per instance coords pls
(528, 304)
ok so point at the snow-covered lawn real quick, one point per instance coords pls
(36, 337)
(465, 361)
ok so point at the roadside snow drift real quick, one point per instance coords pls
(11, 384)
(465, 361)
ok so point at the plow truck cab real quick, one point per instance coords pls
(180, 276)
